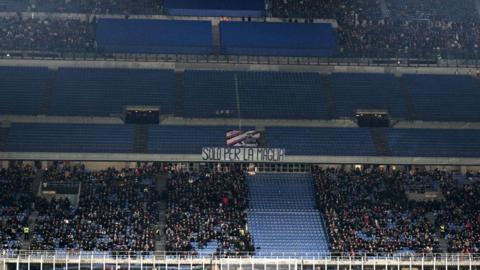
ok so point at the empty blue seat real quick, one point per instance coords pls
(282, 215)
(70, 138)
(23, 89)
(445, 97)
(104, 92)
(321, 141)
(261, 95)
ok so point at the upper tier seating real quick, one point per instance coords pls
(215, 8)
(354, 91)
(321, 141)
(70, 138)
(154, 36)
(434, 142)
(445, 97)
(282, 215)
(22, 89)
(262, 95)
(278, 39)
(104, 92)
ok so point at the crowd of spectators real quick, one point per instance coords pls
(15, 204)
(117, 211)
(207, 206)
(87, 6)
(17, 33)
(399, 28)
(368, 211)
(459, 217)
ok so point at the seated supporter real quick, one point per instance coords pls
(207, 206)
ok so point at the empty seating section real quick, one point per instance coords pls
(281, 192)
(282, 215)
(434, 142)
(186, 139)
(230, 8)
(154, 36)
(209, 94)
(70, 138)
(22, 89)
(278, 39)
(445, 97)
(104, 92)
(261, 95)
(282, 95)
(321, 141)
(367, 91)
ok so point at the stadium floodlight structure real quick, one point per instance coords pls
(16, 260)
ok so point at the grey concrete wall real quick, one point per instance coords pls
(325, 69)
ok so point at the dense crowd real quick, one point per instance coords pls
(91, 6)
(401, 28)
(117, 211)
(15, 204)
(368, 212)
(46, 34)
(430, 29)
(205, 207)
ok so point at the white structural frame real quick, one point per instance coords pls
(26, 260)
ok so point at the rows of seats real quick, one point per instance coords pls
(154, 36)
(104, 92)
(261, 95)
(215, 8)
(434, 142)
(226, 94)
(22, 89)
(282, 215)
(321, 141)
(445, 97)
(309, 141)
(266, 189)
(186, 139)
(70, 138)
(278, 39)
(367, 91)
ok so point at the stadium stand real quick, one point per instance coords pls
(261, 95)
(282, 216)
(279, 39)
(154, 36)
(445, 97)
(70, 138)
(117, 212)
(26, 86)
(50, 34)
(321, 141)
(215, 8)
(147, 7)
(368, 213)
(207, 212)
(434, 142)
(15, 204)
(105, 92)
(186, 139)
(367, 91)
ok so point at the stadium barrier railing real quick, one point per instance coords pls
(371, 60)
(165, 260)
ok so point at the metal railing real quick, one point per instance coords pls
(373, 60)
